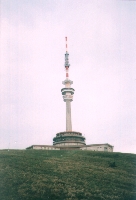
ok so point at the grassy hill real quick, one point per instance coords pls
(67, 175)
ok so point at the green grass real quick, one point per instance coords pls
(66, 175)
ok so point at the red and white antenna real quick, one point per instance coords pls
(66, 59)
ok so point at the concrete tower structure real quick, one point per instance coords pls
(69, 137)
(67, 92)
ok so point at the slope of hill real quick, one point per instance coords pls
(67, 175)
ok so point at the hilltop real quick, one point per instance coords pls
(67, 175)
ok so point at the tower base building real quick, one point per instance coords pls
(91, 147)
(69, 139)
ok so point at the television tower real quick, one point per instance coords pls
(68, 138)
(67, 92)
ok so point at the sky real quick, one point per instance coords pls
(102, 55)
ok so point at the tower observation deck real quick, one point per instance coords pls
(68, 138)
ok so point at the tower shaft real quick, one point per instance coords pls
(68, 116)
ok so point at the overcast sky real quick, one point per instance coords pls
(102, 54)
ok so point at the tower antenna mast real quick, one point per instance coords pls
(66, 44)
